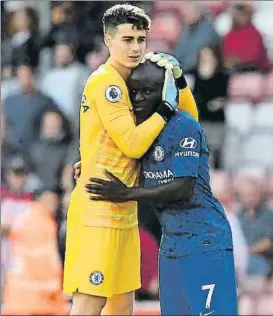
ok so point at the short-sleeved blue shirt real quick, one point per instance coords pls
(197, 225)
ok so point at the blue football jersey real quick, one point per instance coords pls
(199, 224)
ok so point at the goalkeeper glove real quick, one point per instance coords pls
(167, 61)
(169, 97)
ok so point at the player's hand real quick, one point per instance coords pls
(114, 190)
(170, 90)
(77, 170)
(167, 61)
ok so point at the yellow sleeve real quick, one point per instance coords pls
(119, 122)
(187, 102)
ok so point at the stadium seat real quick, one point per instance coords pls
(239, 115)
(247, 85)
(262, 19)
(257, 149)
(223, 23)
(167, 25)
(263, 117)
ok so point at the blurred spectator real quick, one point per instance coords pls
(34, 281)
(198, 32)
(256, 220)
(50, 199)
(63, 20)
(48, 153)
(14, 201)
(97, 57)
(79, 22)
(65, 83)
(67, 181)
(223, 189)
(210, 91)
(7, 150)
(22, 46)
(243, 47)
(16, 176)
(9, 86)
(23, 111)
(149, 266)
(89, 25)
(257, 224)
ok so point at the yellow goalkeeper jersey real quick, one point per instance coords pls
(109, 139)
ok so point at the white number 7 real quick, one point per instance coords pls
(209, 287)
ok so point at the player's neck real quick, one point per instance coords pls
(122, 70)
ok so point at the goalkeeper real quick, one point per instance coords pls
(102, 246)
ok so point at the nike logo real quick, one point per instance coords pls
(201, 314)
(85, 108)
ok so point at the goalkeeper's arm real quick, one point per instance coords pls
(119, 122)
(186, 100)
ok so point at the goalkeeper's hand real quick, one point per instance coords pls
(170, 91)
(167, 61)
(169, 97)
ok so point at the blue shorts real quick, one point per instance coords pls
(201, 284)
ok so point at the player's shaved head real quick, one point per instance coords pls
(145, 87)
(149, 71)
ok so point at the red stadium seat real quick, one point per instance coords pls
(166, 25)
(247, 86)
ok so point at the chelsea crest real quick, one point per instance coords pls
(158, 153)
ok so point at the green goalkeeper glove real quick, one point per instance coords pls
(167, 61)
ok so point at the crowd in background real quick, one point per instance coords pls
(226, 52)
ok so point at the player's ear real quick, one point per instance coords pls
(107, 39)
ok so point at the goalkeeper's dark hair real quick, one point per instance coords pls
(123, 14)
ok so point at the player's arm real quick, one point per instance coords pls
(117, 191)
(119, 122)
(185, 165)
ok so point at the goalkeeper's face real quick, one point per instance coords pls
(145, 87)
(126, 45)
